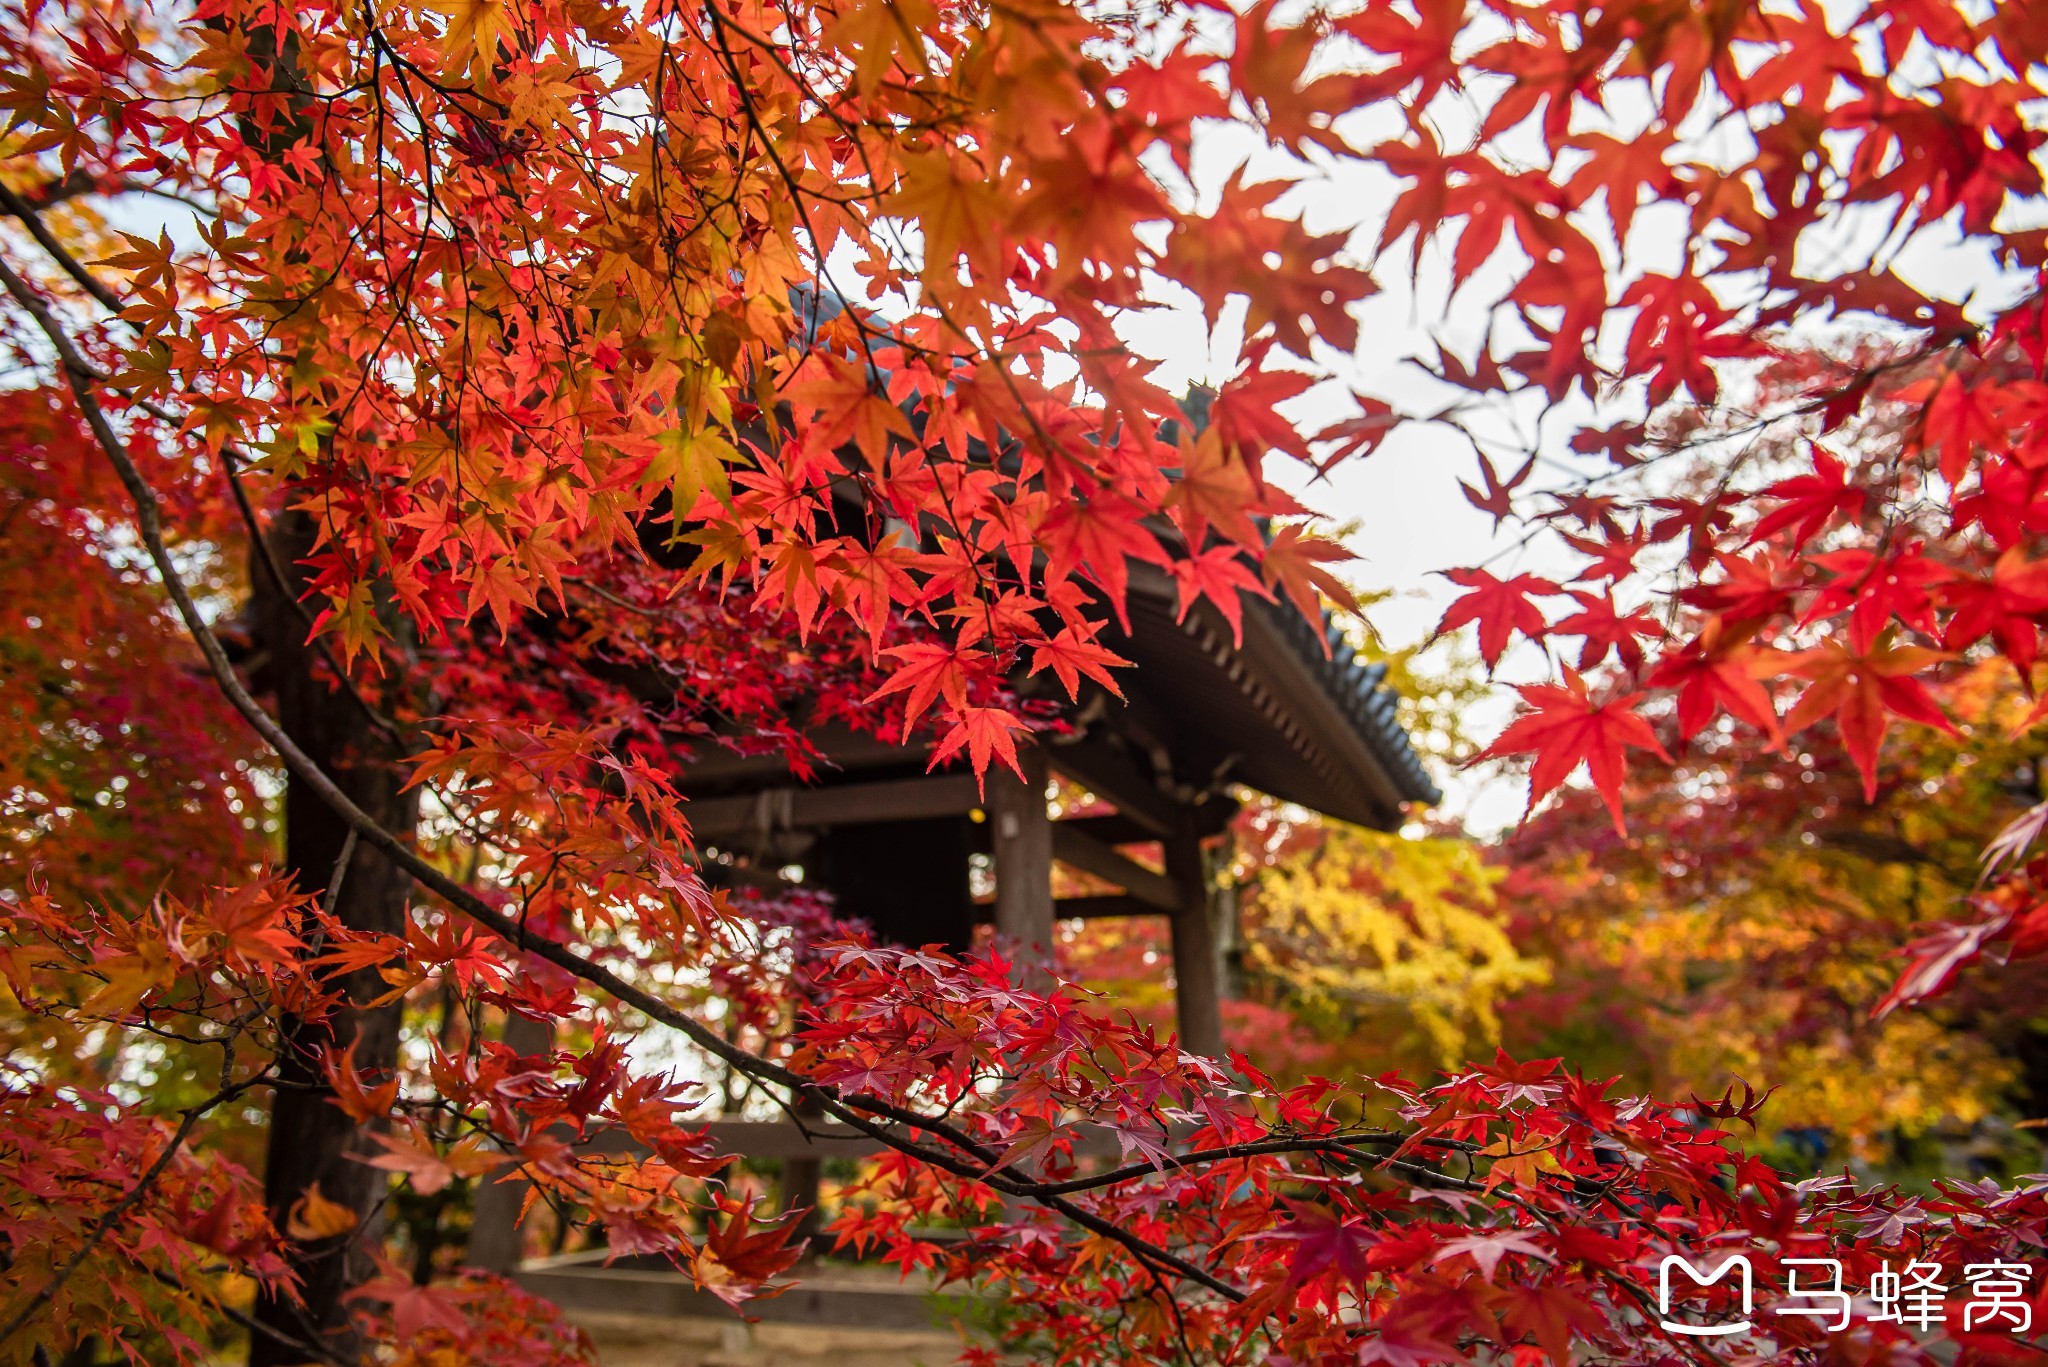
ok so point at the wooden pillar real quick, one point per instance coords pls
(800, 1176)
(495, 1243)
(1197, 958)
(1023, 860)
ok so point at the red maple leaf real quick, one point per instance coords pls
(1220, 575)
(1606, 630)
(1717, 671)
(1566, 728)
(1499, 497)
(985, 733)
(1488, 1248)
(1812, 501)
(1501, 607)
(1551, 1315)
(1293, 563)
(1070, 655)
(1326, 1242)
(1874, 589)
(2004, 607)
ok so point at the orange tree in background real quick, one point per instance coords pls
(1752, 918)
(502, 337)
(1751, 925)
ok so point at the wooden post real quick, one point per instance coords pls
(1197, 961)
(1023, 860)
(800, 1176)
(495, 1244)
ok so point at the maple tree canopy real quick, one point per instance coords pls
(428, 426)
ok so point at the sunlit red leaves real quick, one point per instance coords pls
(1293, 563)
(1500, 608)
(2006, 605)
(1216, 489)
(1679, 332)
(1070, 656)
(986, 735)
(1498, 497)
(1220, 575)
(1862, 692)
(950, 200)
(1620, 171)
(1606, 630)
(1812, 502)
(1718, 671)
(1565, 727)
(1244, 412)
(662, 210)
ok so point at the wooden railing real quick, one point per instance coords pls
(825, 1296)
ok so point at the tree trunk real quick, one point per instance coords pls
(312, 1142)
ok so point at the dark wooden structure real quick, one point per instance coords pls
(1288, 711)
(1201, 715)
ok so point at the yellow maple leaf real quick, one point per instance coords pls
(957, 212)
(1520, 1166)
(130, 978)
(474, 27)
(313, 1216)
(693, 462)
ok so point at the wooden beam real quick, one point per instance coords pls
(1084, 852)
(1268, 656)
(1197, 961)
(1114, 828)
(1110, 774)
(1023, 865)
(798, 1187)
(844, 749)
(1101, 907)
(843, 804)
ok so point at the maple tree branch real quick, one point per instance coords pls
(1345, 1145)
(599, 591)
(47, 240)
(341, 863)
(313, 1351)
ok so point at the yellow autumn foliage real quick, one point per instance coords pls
(1391, 945)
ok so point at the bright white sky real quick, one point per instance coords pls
(1411, 519)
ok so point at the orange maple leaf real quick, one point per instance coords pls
(1859, 690)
